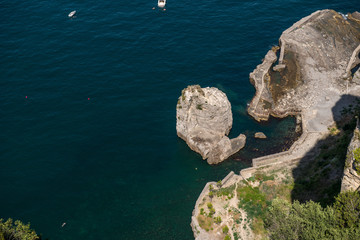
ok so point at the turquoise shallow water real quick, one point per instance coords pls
(112, 167)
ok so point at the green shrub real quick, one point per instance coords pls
(211, 194)
(218, 219)
(357, 160)
(227, 237)
(252, 201)
(284, 220)
(229, 191)
(236, 236)
(225, 229)
(347, 207)
(334, 131)
(299, 221)
(10, 230)
(251, 179)
(211, 209)
(261, 177)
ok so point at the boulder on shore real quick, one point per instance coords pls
(203, 121)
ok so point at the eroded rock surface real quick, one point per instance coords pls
(225, 208)
(318, 57)
(351, 177)
(203, 119)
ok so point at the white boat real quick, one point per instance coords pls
(161, 3)
(72, 13)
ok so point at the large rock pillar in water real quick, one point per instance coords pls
(203, 119)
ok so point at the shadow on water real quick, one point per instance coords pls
(280, 135)
(318, 175)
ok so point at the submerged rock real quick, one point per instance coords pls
(260, 135)
(203, 119)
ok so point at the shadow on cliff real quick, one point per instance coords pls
(318, 174)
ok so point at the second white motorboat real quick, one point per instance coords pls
(71, 14)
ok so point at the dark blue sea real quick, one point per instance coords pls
(88, 104)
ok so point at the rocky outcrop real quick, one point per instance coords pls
(356, 77)
(318, 65)
(351, 177)
(225, 207)
(203, 119)
(260, 135)
(317, 56)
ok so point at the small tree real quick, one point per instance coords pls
(211, 194)
(211, 191)
(347, 207)
(280, 222)
(218, 220)
(211, 209)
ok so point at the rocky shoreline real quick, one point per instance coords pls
(314, 79)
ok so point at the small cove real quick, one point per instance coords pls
(94, 143)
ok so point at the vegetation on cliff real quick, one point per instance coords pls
(270, 213)
(285, 220)
(10, 230)
(281, 203)
(319, 178)
(357, 160)
(309, 204)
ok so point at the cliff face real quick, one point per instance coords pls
(317, 57)
(220, 202)
(351, 178)
(203, 119)
(314, 73)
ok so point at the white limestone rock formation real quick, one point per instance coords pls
(317, 59)
(203, 119)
